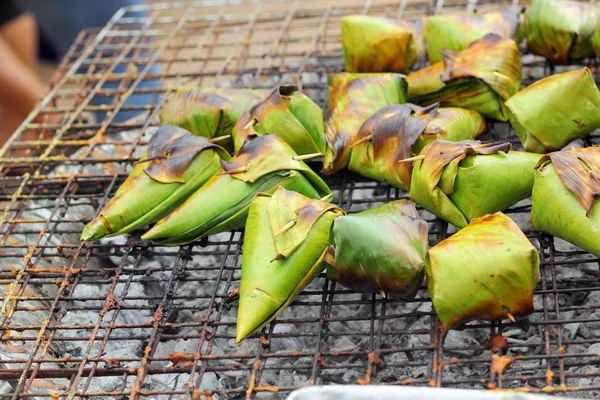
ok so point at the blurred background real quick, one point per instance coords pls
(34, 37)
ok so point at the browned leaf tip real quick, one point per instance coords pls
(579, 171)
(440, 153)
(395, 128)
(171, 150)
(459, 64)
(277, 99)
(498, 343)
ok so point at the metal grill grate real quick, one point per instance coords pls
(126, 318)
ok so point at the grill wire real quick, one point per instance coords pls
(123, 318)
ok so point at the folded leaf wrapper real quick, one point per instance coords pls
(380, 250)
(288, 113)
(374, 44)
(174, 167)
(210, 112)
(565, 200)
(461, 181)
(352, 99)
(262, 165)
(559, 30)
(481, 78)
(285, 241)
(457, 32)
(556, 110)
(486, 271)
(396, 131)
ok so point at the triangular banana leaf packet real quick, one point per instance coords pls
(380, 250)
(376, 44)
(210, 112)
(285, 241)
(566, 197)
(397, 131)
(262, 165)
(481, 78)
(174, 167)
(352, 99)
(457, 32)
(460, 181)
(559, 30)
(554, 111)
(486, 271)
(290, 114)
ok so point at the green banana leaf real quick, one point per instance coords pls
(457, 32)
(460, 181)
(352, 99)
(262, 165)
(552, 112)
(210, 112)
(596, 39)
(288, 113)
(565, 200)
(285, 241)
(486, 271)
(175, 166)
(480, 78)
(375, 44)
(380, 250)
(559, 30)
(396, 131)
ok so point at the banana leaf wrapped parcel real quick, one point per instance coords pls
(380, 250)
(457, 32)
(174, 167)
(560, 30)
(397, 131)
(481, 78)
(288, 113)
(554, 111)
(285, 241)
(262, 165)
(352, 99)
(375, 44)
(486, 271)
(461, 181)
(210, 112)
(566, 197)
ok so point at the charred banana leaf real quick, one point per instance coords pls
(380, 250)
(461, 181)
(352, 99)
(374, 44)
(395, 132)
(486, 271)
(559, 30)
(288, 113)
(175, 166)
(285, 242)
(565, 200)
(481, 78)
(262, 165)
(210, 112)
(552, 112)
(457, 32)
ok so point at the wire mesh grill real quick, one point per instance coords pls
(126, 318)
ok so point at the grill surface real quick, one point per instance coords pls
(128, 318)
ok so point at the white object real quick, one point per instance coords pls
(380, 392)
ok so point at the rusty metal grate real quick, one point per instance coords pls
(125, 318)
